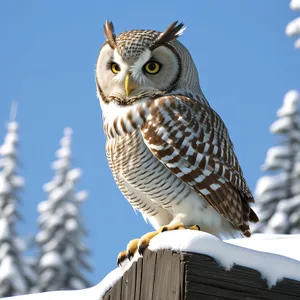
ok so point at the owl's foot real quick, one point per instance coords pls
(129, 252)
(142, 244)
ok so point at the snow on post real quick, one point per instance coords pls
(16, 275)
(293, 27)
(62, 264)
(278, 193)
(262, 267)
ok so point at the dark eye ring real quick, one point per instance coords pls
(115, 68)
(152, 67)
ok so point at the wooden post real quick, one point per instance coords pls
(169, 275)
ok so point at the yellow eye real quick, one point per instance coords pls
(152, 67)
(115, 68)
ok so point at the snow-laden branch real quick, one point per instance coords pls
(293, 28)
(267, 183)
(295, 4)
(277, 157)
(290, 104)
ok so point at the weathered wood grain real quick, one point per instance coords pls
(169, 275)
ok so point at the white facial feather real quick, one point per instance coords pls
(123, 66)
(137, 68)
(114, 84)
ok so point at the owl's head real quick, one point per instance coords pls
(143, 63)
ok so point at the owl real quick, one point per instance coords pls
(170, 153)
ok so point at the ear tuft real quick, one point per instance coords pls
(171, 33)
(110, 34)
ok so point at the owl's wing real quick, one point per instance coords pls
(192, 141)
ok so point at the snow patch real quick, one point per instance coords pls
(274, 256)
(4, 229)
(51, 259)
(5, 187)
(74, 174)
(271, 266)
(81, 196)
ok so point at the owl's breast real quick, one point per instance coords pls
(138, 171)
(122, 120)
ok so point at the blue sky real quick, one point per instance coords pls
(47, 58)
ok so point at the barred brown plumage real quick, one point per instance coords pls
(207, 154)
(170, 153)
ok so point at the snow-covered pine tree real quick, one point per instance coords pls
(16, 274)
(62, 261)
(278, 195)
(293, 28)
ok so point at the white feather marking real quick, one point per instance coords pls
(161, 131)
(199, 157)
(190, 151)
(165, 136)
(181, 31)
(223, 171)
(123, 66)
(206, 148)
(206, 172)
(204, 192)
(221, 180)
(128, 125)
(206, 137)
(137, 68)
(178, 135)
(215, 186)
(112, 111)
(200, 178)
(215, 151)
(186, 170)
(173, 165)
(185, 142)
(169, 157)
(157, 147)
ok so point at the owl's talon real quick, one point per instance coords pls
(141, 250)
(119, 262)
(194, 227)
(140, 245)
(132, 248)
(121, 257)
(165, 228)
(129, 255)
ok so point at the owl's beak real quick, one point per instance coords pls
(130, 85)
